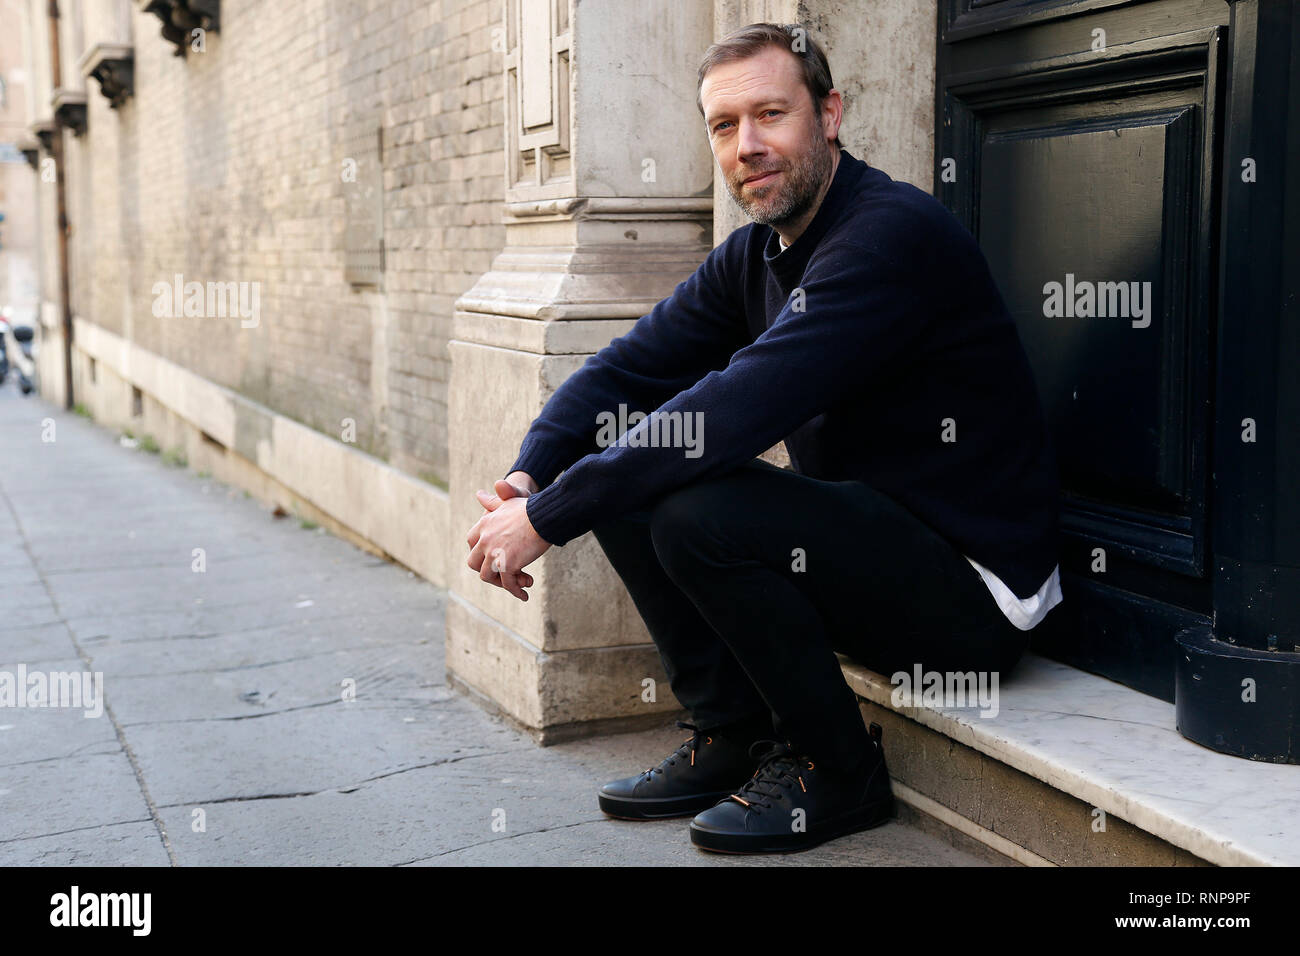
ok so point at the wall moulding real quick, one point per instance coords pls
(537, 63)
(612, 207)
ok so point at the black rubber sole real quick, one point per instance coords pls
(656, 808)
(862, 818)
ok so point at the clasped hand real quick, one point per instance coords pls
(502, 542)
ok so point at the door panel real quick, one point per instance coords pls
(1089, 178)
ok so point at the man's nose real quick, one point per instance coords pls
(749, 141)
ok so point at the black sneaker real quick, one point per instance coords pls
(791, 804)
(699, 773)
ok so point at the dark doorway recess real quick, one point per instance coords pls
(1145, 158)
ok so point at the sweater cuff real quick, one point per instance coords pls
(540, 460)
(555, 515)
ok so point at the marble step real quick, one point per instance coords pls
(1062, 767)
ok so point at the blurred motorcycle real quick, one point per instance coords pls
(16, 351)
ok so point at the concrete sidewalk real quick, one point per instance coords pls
(225, 739)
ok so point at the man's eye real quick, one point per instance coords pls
(720, 125)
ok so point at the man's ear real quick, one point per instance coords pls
(832, 114)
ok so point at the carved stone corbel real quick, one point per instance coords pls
(43, 130)
(113, 65)
(69, 109)
(181, 17)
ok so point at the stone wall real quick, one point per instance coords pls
(227, 165)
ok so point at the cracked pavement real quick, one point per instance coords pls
(225, 738)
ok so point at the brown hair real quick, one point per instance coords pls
(791, 37)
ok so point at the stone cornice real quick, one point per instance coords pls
(605, 281)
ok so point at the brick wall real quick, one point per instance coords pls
(225, 166)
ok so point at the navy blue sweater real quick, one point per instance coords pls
(868, 345)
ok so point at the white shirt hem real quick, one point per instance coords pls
(1024, 614)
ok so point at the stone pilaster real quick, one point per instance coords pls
(608, 199)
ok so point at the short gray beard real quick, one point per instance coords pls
(804, 181)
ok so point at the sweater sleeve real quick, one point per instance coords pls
(690, 332)
(857, 313)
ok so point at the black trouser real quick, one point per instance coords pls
(748, 581)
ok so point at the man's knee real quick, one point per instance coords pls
(681, 521)
(623, 535)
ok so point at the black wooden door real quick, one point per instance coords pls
(1078, 140)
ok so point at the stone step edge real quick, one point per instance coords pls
(951, 818)
(1004, 747)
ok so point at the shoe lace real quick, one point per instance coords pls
(690, 745)
(779, 769)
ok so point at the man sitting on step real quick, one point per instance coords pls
(855, 319)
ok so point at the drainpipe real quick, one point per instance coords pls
(56, 151)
